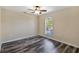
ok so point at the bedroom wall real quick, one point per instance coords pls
(66, 25)
(0, 28)
(16, 25)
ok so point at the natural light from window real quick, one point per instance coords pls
(49, 26)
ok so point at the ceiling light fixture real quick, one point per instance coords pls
(37, 10)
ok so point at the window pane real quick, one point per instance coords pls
(49, 26)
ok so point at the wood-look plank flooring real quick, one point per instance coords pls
(37, 44)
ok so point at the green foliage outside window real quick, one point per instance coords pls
(49, 23)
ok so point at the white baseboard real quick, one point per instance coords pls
(18, 38)
(60, 41)
(0, 46)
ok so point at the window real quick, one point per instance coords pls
(49, 26)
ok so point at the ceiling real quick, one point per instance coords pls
(25, 8)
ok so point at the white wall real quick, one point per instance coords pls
(17, 25)
(0, 28)
(66, 25)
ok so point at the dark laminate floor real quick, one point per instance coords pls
(37, 44)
